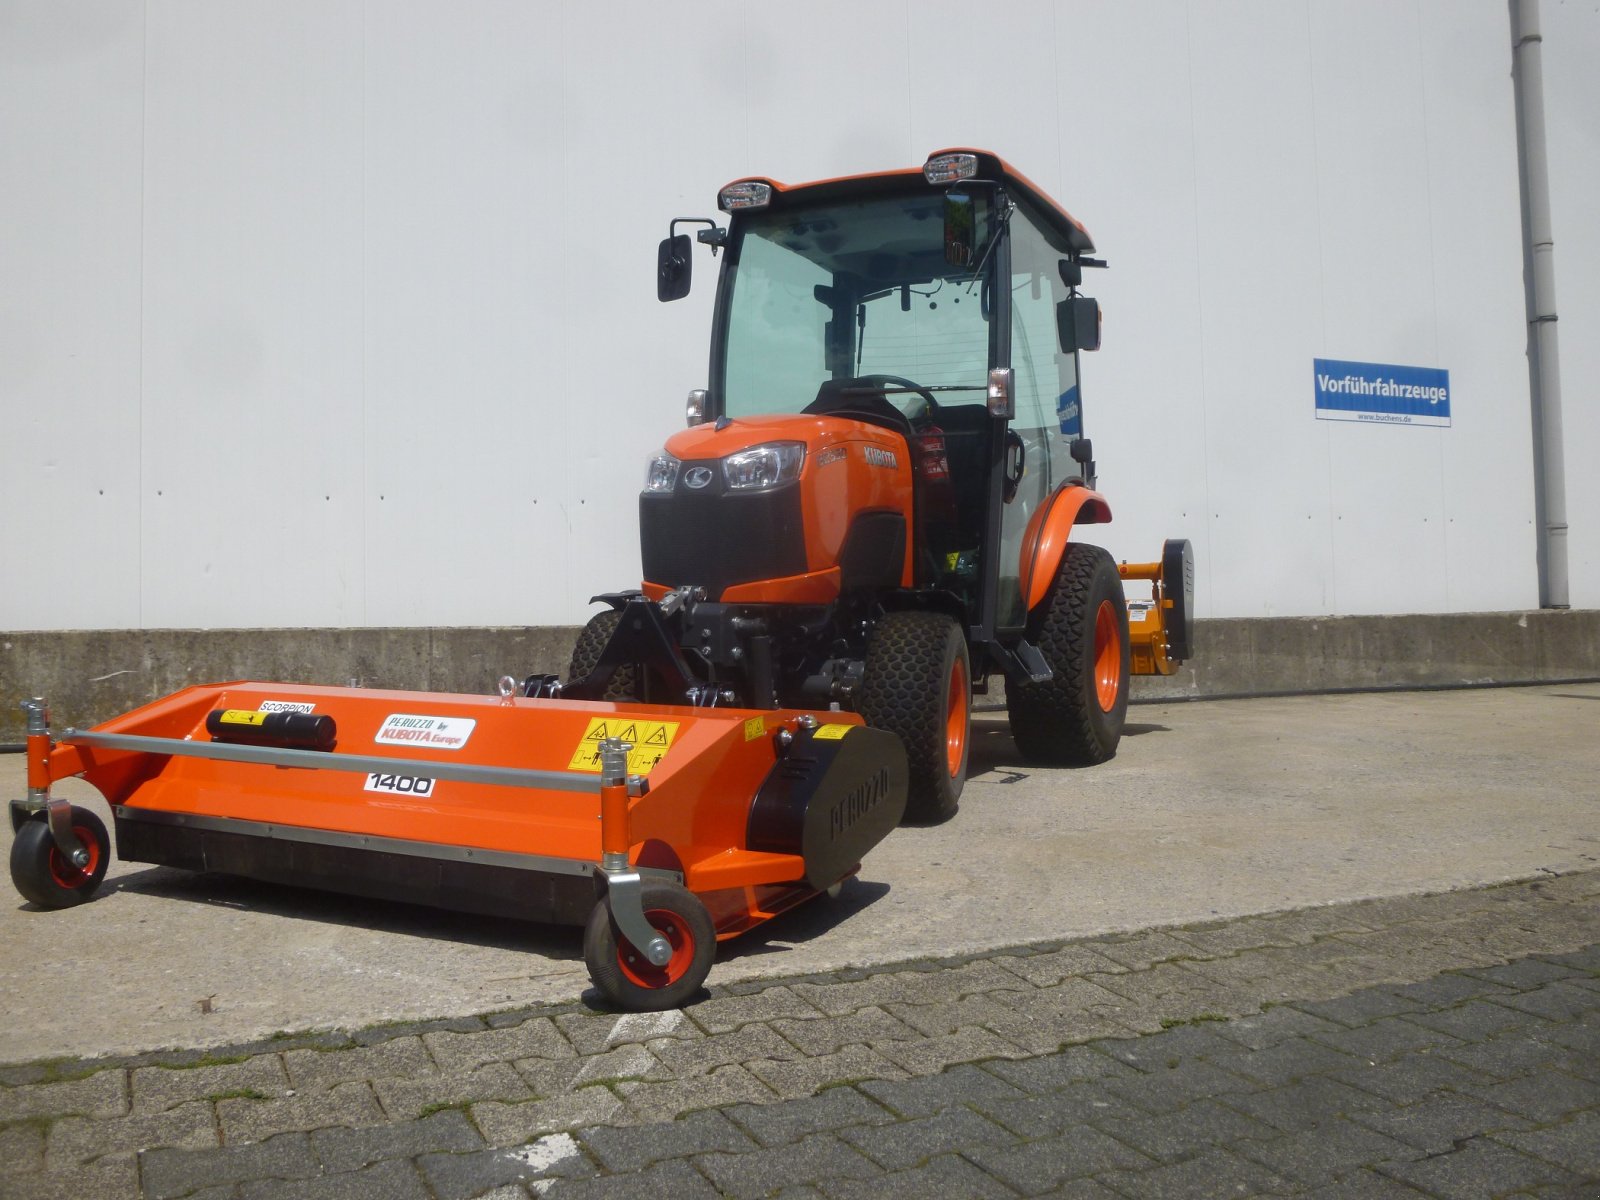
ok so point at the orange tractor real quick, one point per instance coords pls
(870, 514)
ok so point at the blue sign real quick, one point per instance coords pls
(1069, 414)
(1378, 392)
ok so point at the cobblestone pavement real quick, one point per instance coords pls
(1441, 1045)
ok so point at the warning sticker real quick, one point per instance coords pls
(831, 733)
(239, 716)
(754, 728)
(651, 740)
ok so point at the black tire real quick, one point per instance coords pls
(46, 876)
(1075, 719)
(586, 655)
(626, 977)
(918, 684)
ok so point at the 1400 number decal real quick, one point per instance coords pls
(400, 785)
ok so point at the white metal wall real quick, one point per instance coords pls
(317, 312)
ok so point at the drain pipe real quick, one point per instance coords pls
(1544, 363)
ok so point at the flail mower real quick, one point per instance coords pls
(870, 515)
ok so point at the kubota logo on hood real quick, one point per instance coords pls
(697, 477)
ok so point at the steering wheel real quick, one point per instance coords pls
(931, 410)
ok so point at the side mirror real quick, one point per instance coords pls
(674, 266)
(960, 229)
(1078, 324)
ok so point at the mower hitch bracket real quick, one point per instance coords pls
(623, 884)
(57, 812)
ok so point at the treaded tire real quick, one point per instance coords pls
(626, 977)
(1068, 721)
(586, 654)
(917, 684)
(42, 874)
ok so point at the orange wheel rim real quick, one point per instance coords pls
(955, 718)
(644, 973)
(1107, 656)
(62, 869)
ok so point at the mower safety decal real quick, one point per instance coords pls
(433, 733)
(240, 716)
(650, 740)
(754, 728)
(831, 733)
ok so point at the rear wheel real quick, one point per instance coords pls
(586, 656)
(629, 979)
(48, 877)
(918, 684)
(1076, 717)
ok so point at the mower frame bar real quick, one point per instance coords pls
(282, 756)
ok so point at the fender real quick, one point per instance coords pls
(1044, 542)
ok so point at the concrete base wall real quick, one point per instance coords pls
(89, 676)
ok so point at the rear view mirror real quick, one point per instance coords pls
(960, 229)
(674, 265)
(1078, 324)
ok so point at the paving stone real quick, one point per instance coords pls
(1098, 1060)
(1447, 989)
(749, 1042)
(1054, 966)
(724, 1014)
(1359, 1008)
(806, 1076)
(1189, 1131)
(1470, 1021)
(506, 1124)
(673, 1180)
(383, 1033)
(462, 1052)
(111, 1175)
(22, 1146)
(1330, 1149)
(1198, 1040)
(1523, 974)
(103, 1094)
(394, 1180)
(1508, 1054)
(1437, 1123)
(1304, 1105)
(1053, 1112)
(946, 1175)
(459, 1176)
(1148, 1001)
(1048, 1162)
(1216, 1173)
(77, 1140)
(910, 987)
(630, 1062)
(1573, 1144)
(789, 1121)
(1562, 1001)
(817, 1159)
(403, 1057)
(1587, 959)
(592, 1033)
(1286, 1062)
(663, 1101)
(1361, 1184)
(1410, 1078)
(628, 1148)
(347, 1104)
(932, 1055)
(1477, 1168)
(341, 1150)
(156, 1089)
(1164, 1090)
(825, 1035)
(1271, 1026)
(1232, 937)
(934, 1093)
(904, 1144)
(1540, 1096)
(408, 1099)
(1039, 1021)
(1143, 950)
(170, 1173)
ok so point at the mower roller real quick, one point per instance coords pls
(871, 513)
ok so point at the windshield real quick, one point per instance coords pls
(840, 291)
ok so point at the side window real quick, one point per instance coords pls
(1047, 380)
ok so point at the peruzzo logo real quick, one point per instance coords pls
(422, 732)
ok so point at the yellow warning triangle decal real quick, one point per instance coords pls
(658, 737)
(630, 734)
(597, 734)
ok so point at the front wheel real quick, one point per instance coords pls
(1075, 718)
(629, 979)
(918, 683)
(47, 877)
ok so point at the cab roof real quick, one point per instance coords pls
(990, 166)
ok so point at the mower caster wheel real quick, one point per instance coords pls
(626, 977)
(47, 877)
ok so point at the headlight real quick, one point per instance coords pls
(661, 474)
(764, 466)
